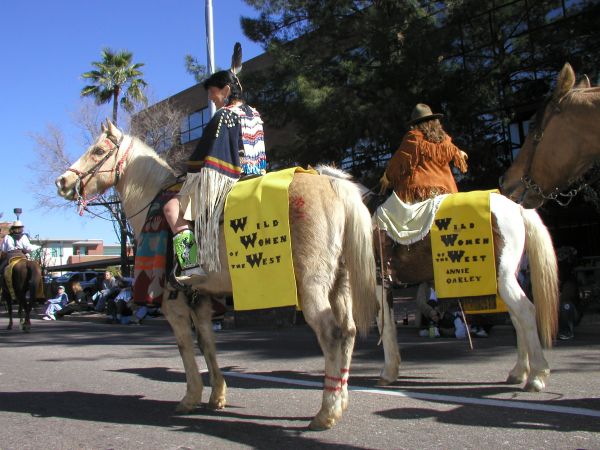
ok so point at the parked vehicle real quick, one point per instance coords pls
(88, 279)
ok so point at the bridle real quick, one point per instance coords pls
(117, 169)
(562, 197)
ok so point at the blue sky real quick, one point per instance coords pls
(46, 46)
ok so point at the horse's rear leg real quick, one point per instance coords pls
(9, 308)
(206, 341)
(178, 314)
(335, 332)
(389, 338)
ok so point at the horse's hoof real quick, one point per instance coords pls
(321, 425)
(383, 382)
(515, 379)
(185, 407)
(535, 385)
(218, 403)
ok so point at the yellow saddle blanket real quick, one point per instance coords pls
(258, 241)
(462, 249)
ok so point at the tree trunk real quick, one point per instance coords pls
(115, 105)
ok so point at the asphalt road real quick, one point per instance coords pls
(83, 384)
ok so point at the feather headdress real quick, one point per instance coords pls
(236, 59)
(236, 62)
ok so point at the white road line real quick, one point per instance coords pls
(432, 397)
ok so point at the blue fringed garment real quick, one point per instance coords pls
(214, 167)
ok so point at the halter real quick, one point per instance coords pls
(117, 168)
(559, 196)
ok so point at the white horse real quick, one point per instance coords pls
(332, 253)
(515, 229)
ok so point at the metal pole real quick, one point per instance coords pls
(210, 48)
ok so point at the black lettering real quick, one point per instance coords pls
(456, 256)
(248, 239)
(238, 224)
(442, 224)
(254, 259)
(449, 239)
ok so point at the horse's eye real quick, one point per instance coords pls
(98, 151)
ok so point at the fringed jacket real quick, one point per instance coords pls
(421, 169)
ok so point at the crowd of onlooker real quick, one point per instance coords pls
(113, 295)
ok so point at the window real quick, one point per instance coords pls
(81, 250)
(192, 125)
(56, 252)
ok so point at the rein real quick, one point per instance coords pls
(80, 183)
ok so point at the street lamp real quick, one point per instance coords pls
(18, 212)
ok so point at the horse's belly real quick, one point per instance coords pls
(412, 263)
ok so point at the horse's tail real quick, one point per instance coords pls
(544, 275)
(35, 278)
(358, 253)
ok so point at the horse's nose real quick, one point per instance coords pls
(60, 182)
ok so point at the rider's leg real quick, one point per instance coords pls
(184, 242)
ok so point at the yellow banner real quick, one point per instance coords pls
(462, 248)
(259, 248)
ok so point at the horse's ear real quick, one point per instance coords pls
(103, 128)
(584, 83)
(565, 82)
(112, 129)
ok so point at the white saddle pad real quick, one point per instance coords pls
(406, 223)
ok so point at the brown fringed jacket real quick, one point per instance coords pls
(420, 169)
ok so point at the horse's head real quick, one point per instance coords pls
(550, 159)
(99, 168)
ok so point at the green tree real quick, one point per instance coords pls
(347, 73)
(195, 69)
(116, 78)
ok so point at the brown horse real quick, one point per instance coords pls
(332, 254)
(562, 145)
(26, 277)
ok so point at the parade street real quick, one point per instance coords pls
(86, 384)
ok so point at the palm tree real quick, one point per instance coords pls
(116, 79)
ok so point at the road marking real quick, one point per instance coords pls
(432, 397)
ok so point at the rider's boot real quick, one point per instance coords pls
(186, 252)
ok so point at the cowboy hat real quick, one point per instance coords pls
(420, 113)
(17, 224)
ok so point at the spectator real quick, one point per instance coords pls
(119, 308)
(78, 303)
(56, 303)
(569, 292)
(437, 319)
(108, 286)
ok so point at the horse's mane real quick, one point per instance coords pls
(147, 172)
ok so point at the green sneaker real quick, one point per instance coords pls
(186, 251)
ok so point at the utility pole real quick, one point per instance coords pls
(210, 48)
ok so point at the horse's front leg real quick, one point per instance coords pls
(531, 364)
(202, 316)
(332, 338)
(178, 314)
(389, 337)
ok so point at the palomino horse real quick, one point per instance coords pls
(563, 143)
(26, 277)
(514, 229)
(332, 253)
